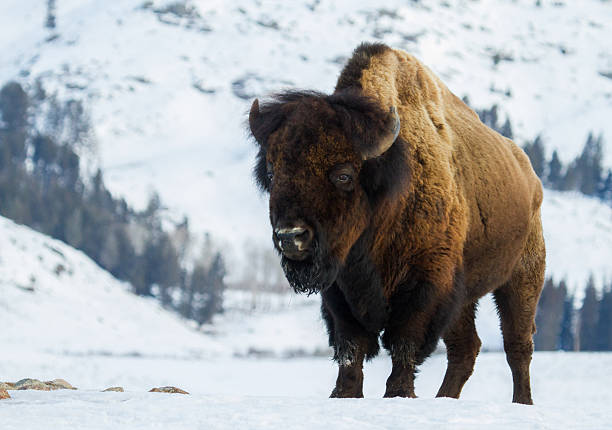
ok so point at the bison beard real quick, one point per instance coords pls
(313, 275)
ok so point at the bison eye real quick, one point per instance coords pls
(270, 176)
(342, 176)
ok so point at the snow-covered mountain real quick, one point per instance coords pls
(168, 84)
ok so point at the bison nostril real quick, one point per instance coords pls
(294, 238)
(303, 239)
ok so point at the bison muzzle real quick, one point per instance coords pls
(391, 199)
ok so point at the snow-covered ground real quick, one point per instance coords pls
(169, 94)
(571, 391)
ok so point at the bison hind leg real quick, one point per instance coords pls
(517, 302)
(462, 347)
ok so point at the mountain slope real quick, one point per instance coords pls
(55, 299)
(578, 234)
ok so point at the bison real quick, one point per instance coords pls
(394, 201)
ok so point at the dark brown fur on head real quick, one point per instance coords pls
(303, 138)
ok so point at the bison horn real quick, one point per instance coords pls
(253, 114)
(388, 137)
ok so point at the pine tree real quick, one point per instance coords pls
(604, 322)
(590, 165)
(200, 295)
(14, 103)
(162, 266)
(572, 178)
(187, 296)
(548, 317)
(50, 21)
(216, 276)
(506, 129)
(489, 117)
(535, 152)
(566, 337)
(554, 179)
(605, 192)
(208, 286)
(588, 318)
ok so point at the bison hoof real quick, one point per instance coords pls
(524, 401)
(398, 392)
(345, 394)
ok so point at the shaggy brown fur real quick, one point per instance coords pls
(418, 233)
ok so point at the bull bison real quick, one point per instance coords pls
(391, 199)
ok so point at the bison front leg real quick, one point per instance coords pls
(419, 315)
(401, 381)
(352, 343)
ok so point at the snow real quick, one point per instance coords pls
(570, 391)
(55, 300)
(157, 131)
(578, 235)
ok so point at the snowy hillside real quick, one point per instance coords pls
(168, 85)
(578, 234)
(55, 300)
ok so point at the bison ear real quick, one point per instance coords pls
(384, 141)
(253, 115)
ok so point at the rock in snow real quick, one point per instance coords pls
(59, 384)
(172, 390)
(31, 384)
(4, 394)
(114, 389)
(35, 384)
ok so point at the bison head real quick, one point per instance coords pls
(322, 160)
